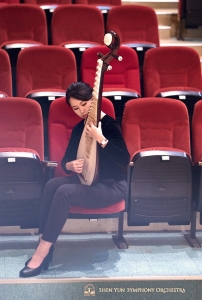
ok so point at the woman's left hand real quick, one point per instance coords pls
(95, 132)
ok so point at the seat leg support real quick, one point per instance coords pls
(119, 240)
(191, 237)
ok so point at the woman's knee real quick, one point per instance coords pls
(51, 187)
(54, 183)
(65, 193)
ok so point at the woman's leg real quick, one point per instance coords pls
(95, 196)
(48, 193)
(67, 195)
(47, 198)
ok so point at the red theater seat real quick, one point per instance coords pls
(121, 83)
(77, 27)
(21, 156)
(157, 135)
(48, 6)
(137, 27)
(44, 73)
(173, 72)
(61, 121)
(21, 26)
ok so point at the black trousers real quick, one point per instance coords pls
(61, 193)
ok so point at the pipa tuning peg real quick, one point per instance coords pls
(118, 57)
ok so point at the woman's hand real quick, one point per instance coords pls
(75, 165)
(95, 132)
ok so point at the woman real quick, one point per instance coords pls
(62, 192)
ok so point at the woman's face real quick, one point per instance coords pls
(81, 108)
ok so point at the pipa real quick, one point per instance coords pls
(88, 147)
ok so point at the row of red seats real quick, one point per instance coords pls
(133, 23)
(76, 26)
(157, 134)
(46, 71)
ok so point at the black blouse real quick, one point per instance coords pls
(113, 159)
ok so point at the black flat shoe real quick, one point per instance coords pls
(50, 253)
(30, 272)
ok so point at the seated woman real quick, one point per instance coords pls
(61, 193)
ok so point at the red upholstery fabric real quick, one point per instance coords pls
(156, 122)
(77, 23)
(197, 132)
(21, 124)
(45, 68)
(61, 121)
(171, 66)
(120, 206)
(5, 74)
(124, 74)
(24, 23)
(134, 23)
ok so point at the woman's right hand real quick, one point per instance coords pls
(75, 165)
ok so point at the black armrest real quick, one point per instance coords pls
(49, 168)
(51, 164)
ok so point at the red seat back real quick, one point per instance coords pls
(124, 74)
(22, 23)
(25, 126)
(77, 23)
(156, 122)
(171, 66)
(45, 67)
(134, 23)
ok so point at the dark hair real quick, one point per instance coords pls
(79, 90)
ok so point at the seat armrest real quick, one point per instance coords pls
(49, 168)
(50, 164)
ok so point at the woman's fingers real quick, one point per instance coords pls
(78, 165)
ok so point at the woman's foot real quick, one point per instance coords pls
(40, 260)
(50, 253)
(39, 255)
